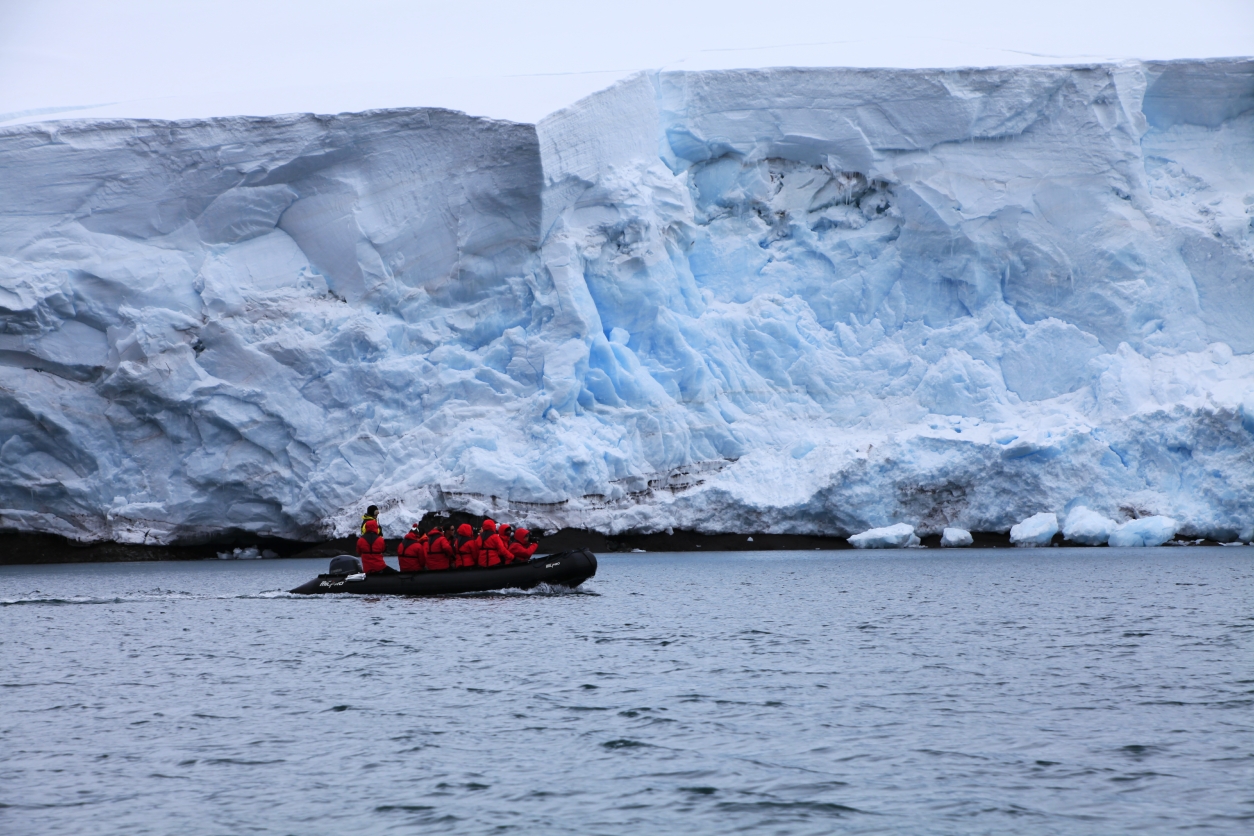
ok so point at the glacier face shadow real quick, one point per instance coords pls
(801, 301)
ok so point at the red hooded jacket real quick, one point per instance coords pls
(467, 546)
(520, 551)
(370, 548)
(440, 554)
(413, 552)
(492, 549)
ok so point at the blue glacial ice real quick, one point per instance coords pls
(806, 301)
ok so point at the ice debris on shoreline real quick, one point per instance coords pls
(1036, 530)
(899, 536)
(798, 301)
(1147, 531)
(1087, 527)
(955, 538)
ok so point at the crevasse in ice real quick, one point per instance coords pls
(812, 301)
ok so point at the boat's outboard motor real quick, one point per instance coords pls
(344, 565)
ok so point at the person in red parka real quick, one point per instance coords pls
(412, 551)
(503, 532)
(440, 554)
(492, 550)
(370, 548)
(521, 547)
(467, 547)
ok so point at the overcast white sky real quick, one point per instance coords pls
(522, 60)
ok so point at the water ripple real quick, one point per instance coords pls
(1063, 691)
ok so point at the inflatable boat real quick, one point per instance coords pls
(564, 569)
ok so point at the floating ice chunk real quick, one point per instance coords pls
(953, 538)
(1087, 526)
(1147, 531)
(250, 553)
(1036, 530)
(897, 536)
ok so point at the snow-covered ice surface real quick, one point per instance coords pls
(954, 538)
(897, 536)
(796, 301)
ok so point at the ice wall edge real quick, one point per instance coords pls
(789, 300)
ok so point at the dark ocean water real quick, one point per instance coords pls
(1012, 691)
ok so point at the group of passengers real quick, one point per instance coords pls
(444, 547)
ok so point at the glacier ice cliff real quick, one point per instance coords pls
(797, 301)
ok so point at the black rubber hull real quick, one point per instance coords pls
(563, 569)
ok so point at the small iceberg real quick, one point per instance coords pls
(1036, 530)
(1087, 527)
(1147, 531)
(250, 553)
(956, 538)
(899, 536)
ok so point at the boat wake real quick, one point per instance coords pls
(37, 598)
(542, 590)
